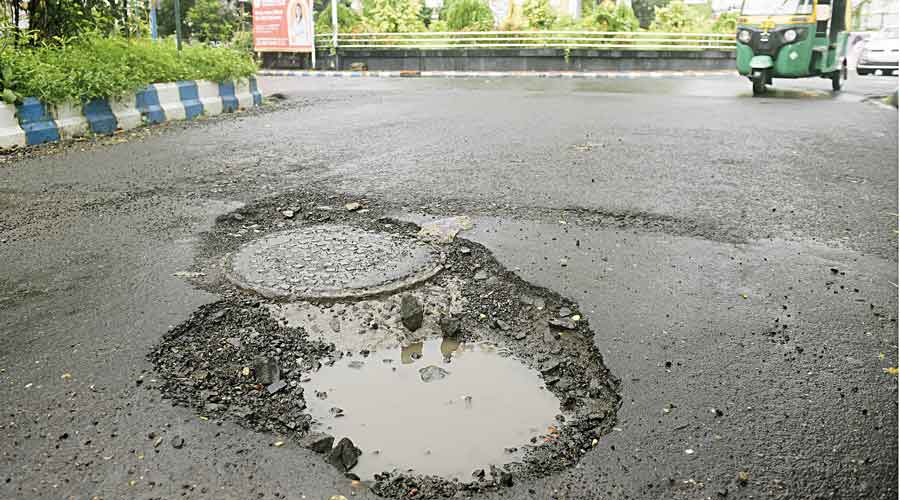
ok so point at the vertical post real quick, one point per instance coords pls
(334, 36)
(154, 31)
(178, 24)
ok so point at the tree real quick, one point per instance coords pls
(468, 15)
(539, 13)
(392, 16)
(611, 17)
(210, 21)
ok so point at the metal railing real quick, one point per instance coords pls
(636, 40)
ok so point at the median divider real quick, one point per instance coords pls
(70, 122)
(209, 97)
(33, 122)
(11, 134)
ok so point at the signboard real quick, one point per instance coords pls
(283, 25)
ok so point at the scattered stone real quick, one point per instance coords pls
(743, 477)
(236, 216)
(276, 386)
(432, 373)
(335, 324)
(288, 214)
(449, 326)
(564, 312)
(344, 456)
(177, 442)
(465, 250)
(564, 262)
(502, 325)
(411, 312)
(520, 335)
(481, 275)
(234, 342)
(266, 370)
(717, 412)
(478, 474)
(318, 442)
(352, 207)
(564, 323)
(506, 479)
(445, 230)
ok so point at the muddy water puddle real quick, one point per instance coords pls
(437, 407)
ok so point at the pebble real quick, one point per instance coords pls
(177, 442)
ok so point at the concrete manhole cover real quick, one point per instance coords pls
(331, 262)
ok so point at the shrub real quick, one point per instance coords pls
(515, 20)
(97, 66)
(392, 16)
(348, 19)
(468, 15)
(611, 17)
(726, 23)
(675, 18)
(539, 13)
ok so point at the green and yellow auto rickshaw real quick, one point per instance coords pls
(792, 39)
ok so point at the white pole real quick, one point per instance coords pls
(334, 22)
(334, 36)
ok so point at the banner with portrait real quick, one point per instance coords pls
(283, 25)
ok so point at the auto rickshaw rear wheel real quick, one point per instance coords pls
(759, 84)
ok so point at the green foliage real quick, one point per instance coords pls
(539, 13)
(211, 21)
(243, 42)
(726, 23)
(94, 65)
(468, 15)
(165, 18)
(677, 17)
(611, 17)
(348, 20)
(645, 10)
(392, 16)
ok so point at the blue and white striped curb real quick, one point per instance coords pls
(33, 122)
(501, 74)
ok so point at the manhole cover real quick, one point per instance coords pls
(440, 407)
(331, 261)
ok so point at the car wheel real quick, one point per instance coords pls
(861, 72)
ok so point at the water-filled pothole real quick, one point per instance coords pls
(436, 407)
(251, 358)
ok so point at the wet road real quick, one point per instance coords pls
(733, 254)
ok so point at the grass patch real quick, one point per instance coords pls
(92, 66)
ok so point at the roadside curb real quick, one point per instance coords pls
(499, 74)
(33, 122)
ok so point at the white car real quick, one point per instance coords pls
(881, 52)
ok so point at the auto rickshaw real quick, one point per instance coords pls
(792, 39)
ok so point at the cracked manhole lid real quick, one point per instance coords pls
(331, 261)
(439, 407)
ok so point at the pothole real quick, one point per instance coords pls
(438, 407)
(429, 370)
(330, 262)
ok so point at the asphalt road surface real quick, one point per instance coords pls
(736, 258)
